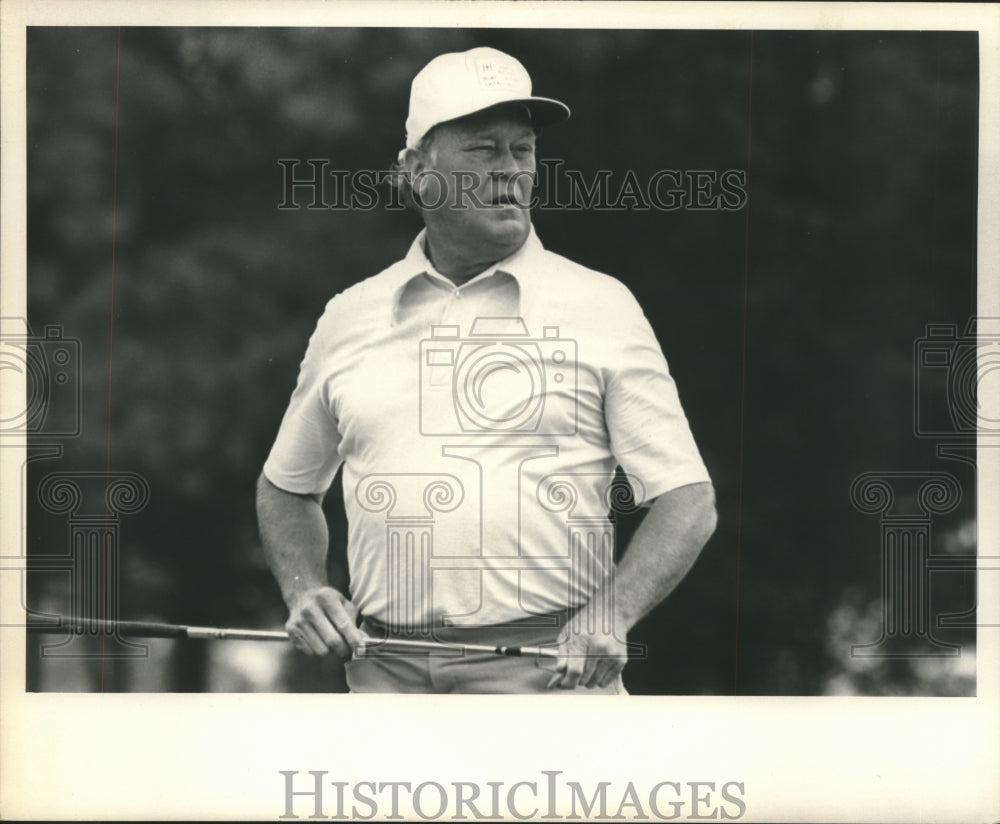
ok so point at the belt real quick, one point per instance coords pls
(548, 620)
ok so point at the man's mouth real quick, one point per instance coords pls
(506, 200)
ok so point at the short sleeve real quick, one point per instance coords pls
(650, 435)
(304, 458)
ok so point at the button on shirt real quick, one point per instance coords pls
(479, 428)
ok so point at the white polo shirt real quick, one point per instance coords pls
(479, 428)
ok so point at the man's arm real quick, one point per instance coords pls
(663, 549)
(294, 535)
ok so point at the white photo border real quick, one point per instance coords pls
(220, 756)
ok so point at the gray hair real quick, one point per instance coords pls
(400, 178)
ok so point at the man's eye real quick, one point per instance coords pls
(481, 149)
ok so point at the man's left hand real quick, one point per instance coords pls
(590, 654)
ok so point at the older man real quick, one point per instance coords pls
(479, 395)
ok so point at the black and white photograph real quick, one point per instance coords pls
(626, 376)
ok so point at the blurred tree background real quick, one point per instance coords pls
(789, 324)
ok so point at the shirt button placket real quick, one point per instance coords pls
(450, 315)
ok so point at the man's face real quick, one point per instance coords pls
(486, 166)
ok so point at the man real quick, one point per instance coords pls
(479, 395)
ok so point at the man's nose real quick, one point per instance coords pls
(506, 165)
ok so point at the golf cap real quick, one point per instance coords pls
(457, 84)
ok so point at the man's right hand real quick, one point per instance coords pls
(322, 620)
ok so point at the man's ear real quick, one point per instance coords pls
(411, 161)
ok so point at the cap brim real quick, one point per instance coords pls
(544, 111)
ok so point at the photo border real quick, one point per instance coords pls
(831, 759)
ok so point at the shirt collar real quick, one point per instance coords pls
(415, 264)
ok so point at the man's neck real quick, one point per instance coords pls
(458, 263)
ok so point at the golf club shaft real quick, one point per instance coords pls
(370, 648)
(151, 629)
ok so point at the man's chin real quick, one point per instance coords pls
(508, 225)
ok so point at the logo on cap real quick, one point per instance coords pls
(494, 75)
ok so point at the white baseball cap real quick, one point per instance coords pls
(457, 84)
